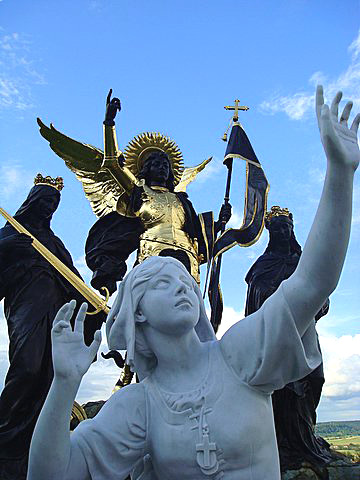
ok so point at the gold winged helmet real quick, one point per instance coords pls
(104, 193)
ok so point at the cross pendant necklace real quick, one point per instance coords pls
(205, 450)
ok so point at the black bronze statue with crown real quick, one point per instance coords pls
(33, 285)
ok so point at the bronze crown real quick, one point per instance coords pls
(57, 182)
(277, 211)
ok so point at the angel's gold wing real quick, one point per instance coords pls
(85, 161)
(189, 175)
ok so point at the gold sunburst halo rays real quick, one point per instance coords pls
(139, 148)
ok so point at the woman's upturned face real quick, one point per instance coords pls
(170, 303)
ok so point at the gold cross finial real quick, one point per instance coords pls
(236, 109)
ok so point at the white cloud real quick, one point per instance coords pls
(18, 72)
(310, 188)
(130, 261)
(230, 316)
(297, 105)
(100, 379)
(317, 175)
(337, 410)
(342, 366)
(258, 248)
(4, 343)
(3, 338)
(235, 220)
(83, 269)
(210, 171)
(354, 48)
(294, 106)
(14, 178)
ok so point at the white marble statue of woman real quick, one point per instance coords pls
(203, 407)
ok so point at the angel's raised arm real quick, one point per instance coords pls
(113, 157)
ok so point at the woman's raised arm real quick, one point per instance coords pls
(321, 262)
(277, 344)
(50, 451)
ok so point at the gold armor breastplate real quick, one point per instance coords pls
(163, 217)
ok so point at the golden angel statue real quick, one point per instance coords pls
(140, 197)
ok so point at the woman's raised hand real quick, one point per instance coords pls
(339, 141)
(71, 357)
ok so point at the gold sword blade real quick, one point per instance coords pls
(74, 280)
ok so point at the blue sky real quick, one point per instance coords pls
(174, 65)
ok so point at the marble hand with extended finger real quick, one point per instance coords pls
(71, 357)
(339, 141)
(323, 256)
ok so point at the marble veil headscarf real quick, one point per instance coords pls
(121, 324)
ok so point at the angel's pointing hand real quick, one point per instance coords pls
(112, 106)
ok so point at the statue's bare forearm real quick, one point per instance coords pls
(50, 450)
(50, 445)
(324, 253)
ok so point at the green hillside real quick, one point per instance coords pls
(338, 429)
